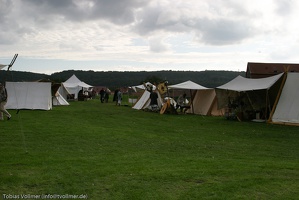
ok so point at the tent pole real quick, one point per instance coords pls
(278, 96)
(191, 101)
(266, 109)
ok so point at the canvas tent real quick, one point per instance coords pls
(205, 103)
(59, 95)
(187, 85)
(144, 101)
(29, 95)
(74, 85)
(249, 95)
(191, 86)
(287, 108)
(58, 100)
(138, 91)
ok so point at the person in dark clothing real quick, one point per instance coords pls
(102, 95)
(115, 96)
(154, 98)
(154, 101)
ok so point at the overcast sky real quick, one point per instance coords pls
(136, 35)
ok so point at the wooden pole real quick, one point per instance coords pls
(191, 101)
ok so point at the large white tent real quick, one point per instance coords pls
(74, 85)
(287, 108)
(253, 94)
(29, 95)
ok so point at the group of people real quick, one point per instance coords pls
(182, 102)
(104, 96)
(3, 101)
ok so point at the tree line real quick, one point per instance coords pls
(114, 79)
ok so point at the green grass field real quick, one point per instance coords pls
(110, 152)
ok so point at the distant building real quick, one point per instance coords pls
(263, 70)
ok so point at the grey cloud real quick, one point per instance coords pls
(223, 32)
(142, 18)
(11, 30)
(118, 12)
(214, 32)
(284, 7)
(149, 21)
(115, 11)
(17, 16)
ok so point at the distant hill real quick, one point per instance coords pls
(113, 79)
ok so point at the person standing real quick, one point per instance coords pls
(102, 95)
(119, 97)
(3, 101)
(106, 96)
(154, 100)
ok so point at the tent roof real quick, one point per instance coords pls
(245, 84)
(73, 81)
(188, 85)
(142, 86)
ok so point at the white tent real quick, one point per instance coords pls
(74, 85)
(191, 86)
(144, 101)
(29, 95)
(287, 109)
(250, 94)
(63, 92)
(187, 85)
(58, 100)
(59, 94)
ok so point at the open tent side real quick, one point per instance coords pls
(192, 88)
(249, 96)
